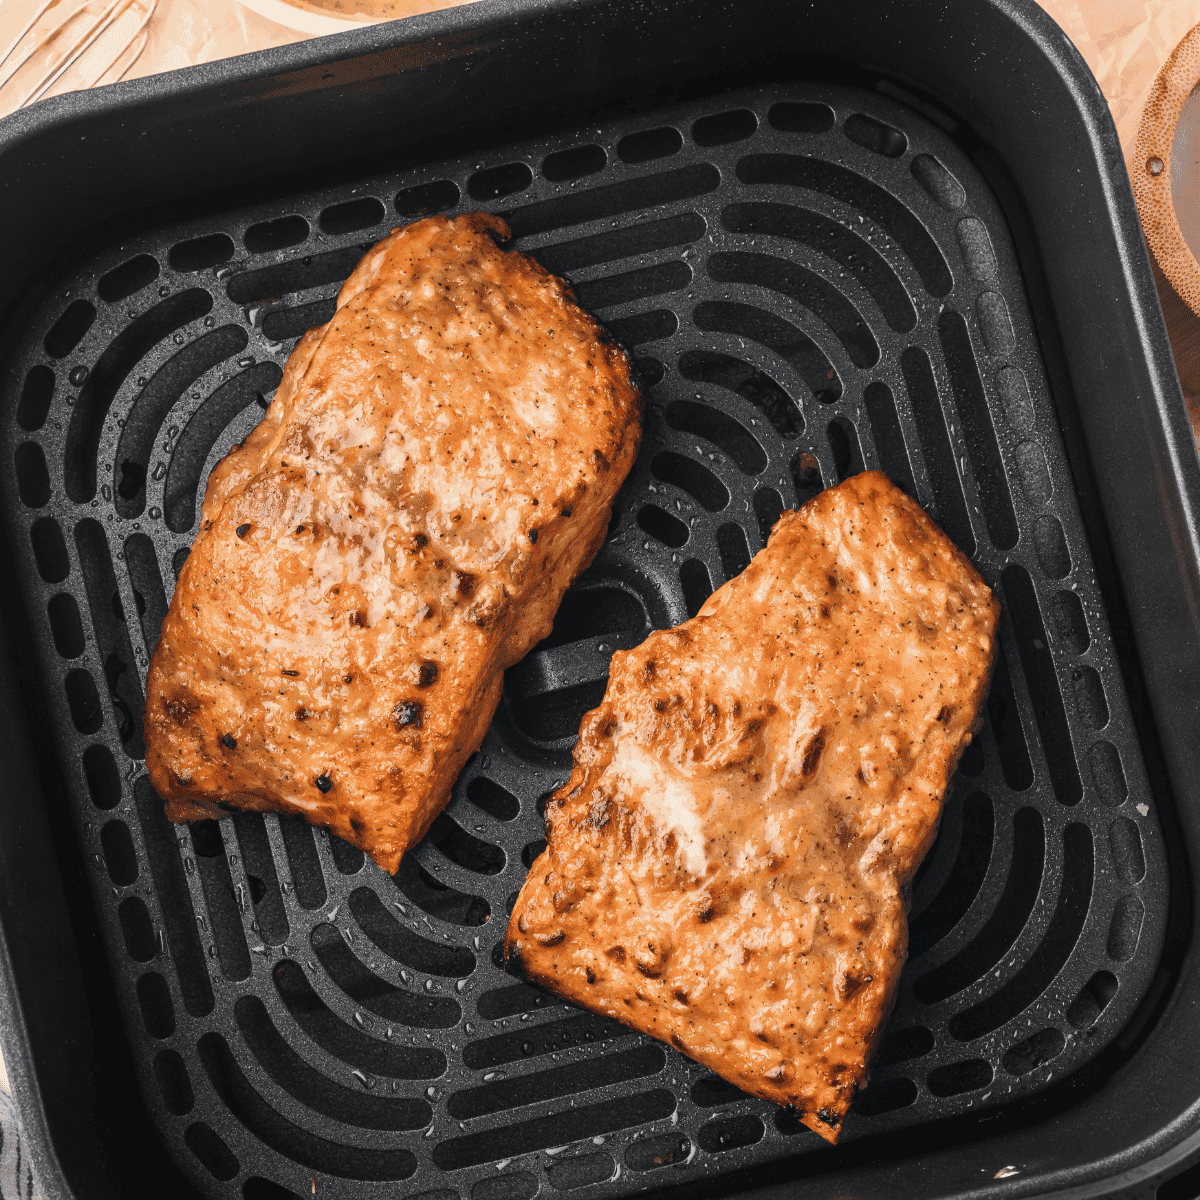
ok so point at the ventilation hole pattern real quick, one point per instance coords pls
(815, 284)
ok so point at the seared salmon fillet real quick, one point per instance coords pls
(438, 464)
(727, 867)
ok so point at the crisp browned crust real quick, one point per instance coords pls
(727, 864)
(437, 466)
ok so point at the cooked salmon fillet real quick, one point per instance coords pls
(438, 464)
(727, 866)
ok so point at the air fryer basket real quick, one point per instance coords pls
(813, 280)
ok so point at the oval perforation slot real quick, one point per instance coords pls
(347, 859)
(66, 627)
(212, 1153)
(290, 1140)
(532, 1041)
(422, 199)
(768, 508)
(174, 1086)
(884, 1096)
(100, 776)
(514, 999)
(283, 324)
(197, 254)
(33, 478)
(317, 1091)
(574, 163)
(278, 234)
(374, 1056)
(130, 277)
(49, 549)
(70, 329)
(692, 477)
(352, 215)
(1007, 731)
(493, 799)
(649, 144)
(720, 129)
(36, 393)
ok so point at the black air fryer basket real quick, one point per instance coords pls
(835, 237)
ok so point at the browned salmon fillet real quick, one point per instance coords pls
(728, 864)
(437, 466)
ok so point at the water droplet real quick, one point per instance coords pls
(460, 985)
(209, 322)
(368, 1081)
(429, 985)
(77, 375)
(431, 1092)
(160, 469)
(155, 512)
(526, 1047)
(247, 360)
(142, 381)
(468, 1028)
(178, 339)
(106, 492)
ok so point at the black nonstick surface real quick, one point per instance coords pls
(813, 281)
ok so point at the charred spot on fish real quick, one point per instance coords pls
(462, 583)
(832, 580)
(944, 714)
(706, 912)
(226, 806)
(299, 528)
(183, 781)
(243, 529)
(180, 708)
(812, 753)
(616, 953)
(566, 512)
(589, 974)
(357, 825)
(680, 996)
(533, 534)
(660, 705)
(292, 673)
(608, 728)
(829, 1118)
(347, 678)
(420, 541)
(301, 713)
(825, 613)
(408, 713)
(228, 741)
(427, 673)
(550, 939)
(359, 618)
(677, 1042)
(650, 667)
(322, 783)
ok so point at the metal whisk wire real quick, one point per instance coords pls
(84, 41)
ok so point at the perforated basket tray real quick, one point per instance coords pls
(813, 281)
